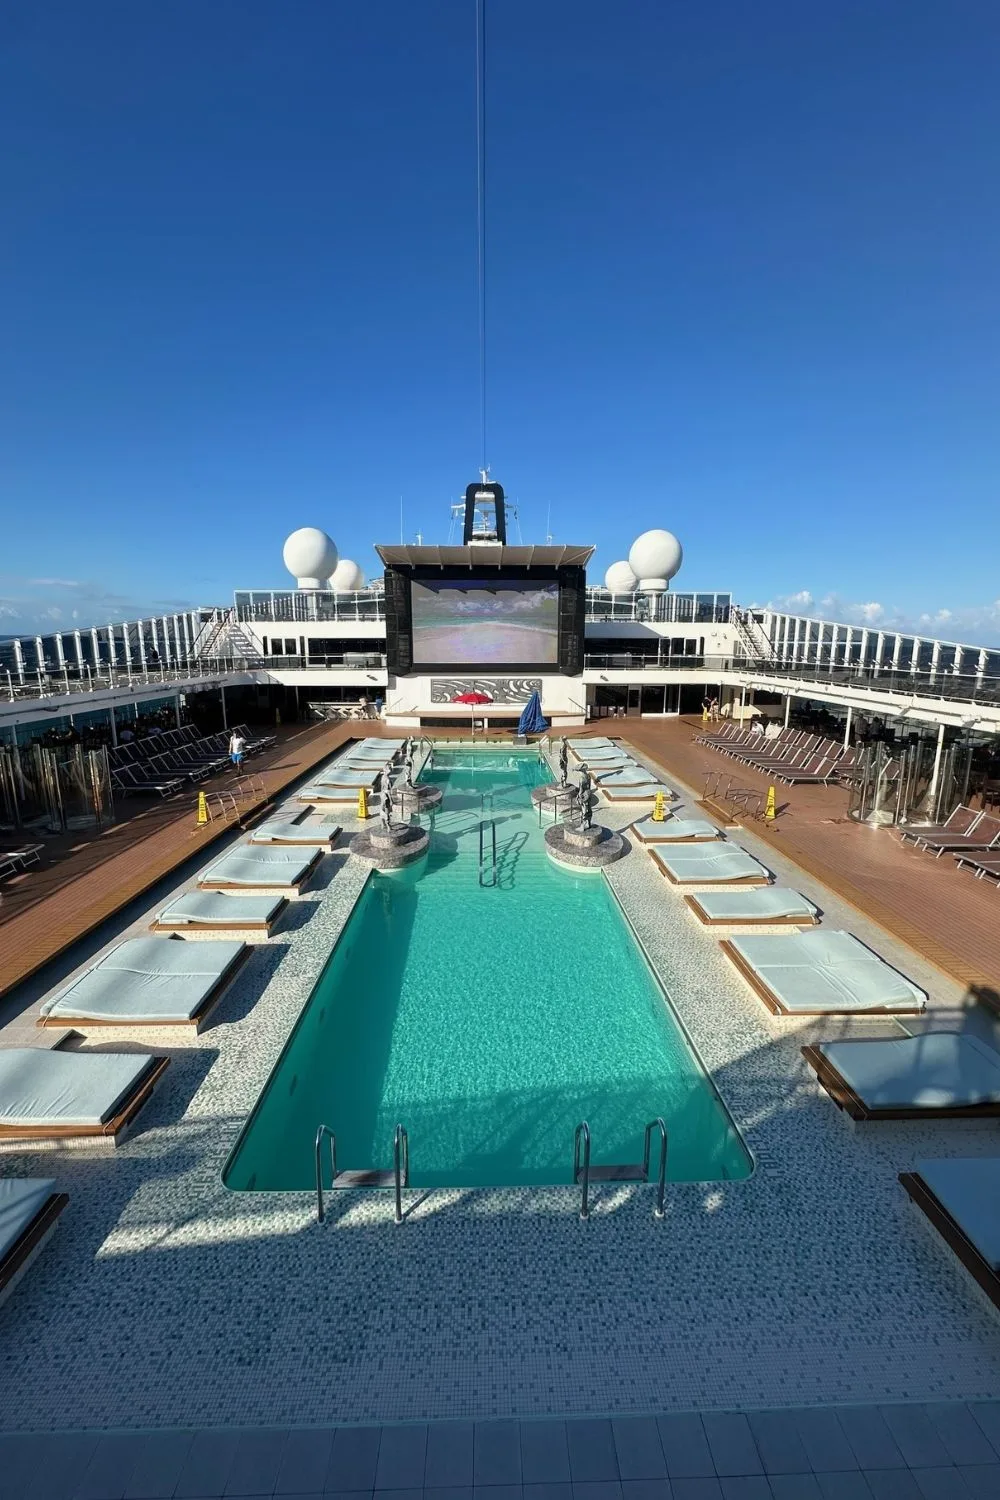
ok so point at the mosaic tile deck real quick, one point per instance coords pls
(164, 1300)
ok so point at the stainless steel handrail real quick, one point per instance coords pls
(661, 1180)
(582, 1134)
(324, 1130)
(400, 1166)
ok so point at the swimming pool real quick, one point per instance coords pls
(487, 1019)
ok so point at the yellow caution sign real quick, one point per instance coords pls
(362, 803)
(202, 809)
(659, 806)
(770, 812)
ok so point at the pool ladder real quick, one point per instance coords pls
(584, 1174)
(487, 843)
(367, 1177)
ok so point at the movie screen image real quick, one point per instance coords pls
(479, 622)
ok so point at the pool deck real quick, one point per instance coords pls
(929, 904)
(166, 1302)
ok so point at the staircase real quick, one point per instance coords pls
(752, 637)
(222, 636)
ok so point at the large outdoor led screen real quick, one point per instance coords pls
(485, 622)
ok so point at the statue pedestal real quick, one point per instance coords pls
(583, 848)
(417, 798)
(553, 799)
(391, 848)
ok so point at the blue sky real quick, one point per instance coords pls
(742, 283)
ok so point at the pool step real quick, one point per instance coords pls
(366, 1177)
(625, 1172)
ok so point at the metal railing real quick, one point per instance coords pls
(966, 687)
(491, 825)
(583, 1172)
(398, 1178)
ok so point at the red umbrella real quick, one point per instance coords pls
(472, 698)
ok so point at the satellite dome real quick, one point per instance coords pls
(620, 579)
(347, 577)
(310, 557)
(654, 558)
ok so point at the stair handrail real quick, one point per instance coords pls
(324, 1132)
(582, 1133)
(661, 1179)
(400, 1166)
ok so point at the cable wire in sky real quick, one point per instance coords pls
(481, 212)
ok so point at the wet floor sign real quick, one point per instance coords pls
(362, 803)
(770, 812)
(658, 808)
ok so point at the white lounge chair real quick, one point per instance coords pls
(939, 1073)
(29, 1209)
(961, 1198)
(761, 906)
(348, 777)
(220, 913)
(148, 981)
(58, 1096)
(709, 865)
(822, 973)
(300, 835)
(251, 867)
(676, 831)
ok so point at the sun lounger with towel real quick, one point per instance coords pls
(709, 866)
(939, 1073)
(148, 981)
(676, 831)
(56, 1096)
(302, 835)
(821, 973)
(219, 913)
(29, 1208)
(761, 906)
(270, 868)
(961, 1198)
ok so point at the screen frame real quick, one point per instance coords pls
(399, 640)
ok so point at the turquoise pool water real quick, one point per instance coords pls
(488, 1020)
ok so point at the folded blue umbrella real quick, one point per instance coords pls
(532, 720)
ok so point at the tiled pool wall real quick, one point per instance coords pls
(165, 1298)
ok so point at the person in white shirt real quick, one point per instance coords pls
(237, 745)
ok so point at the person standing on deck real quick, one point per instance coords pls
(237, 745)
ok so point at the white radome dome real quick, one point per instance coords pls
(620, 579)
(347, 577)
(310, 556)
(654, 558)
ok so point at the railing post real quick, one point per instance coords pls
(582, 1133)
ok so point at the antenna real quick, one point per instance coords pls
(481, 214)
(548, 523)
(400, 520)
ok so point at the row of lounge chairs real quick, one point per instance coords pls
(972, 839)
(160, 984)
(358, 769)
(932, 1075)
(793, 757)
(163, 764)
(618, 776)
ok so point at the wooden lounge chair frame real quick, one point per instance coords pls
(219, 929)
(852, 1104)
(31, 1238)
(194, 1022)
(953, 1234)
(113, 1128)
(774, 1005)
(786, 921)
(276, 884)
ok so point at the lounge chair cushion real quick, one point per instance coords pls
(711, 865)
(279, 831)
(267, 865)
(382, 750)
(348, 777)
(590, 743)
(757, 905)
(676, 830)
(147, 979)
(827, 971)
(20, 1200)
(968, 1188)
(938, 1070)
(83, 1089)
(215, 909)
(630, 776)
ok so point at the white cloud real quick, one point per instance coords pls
(976, 624)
